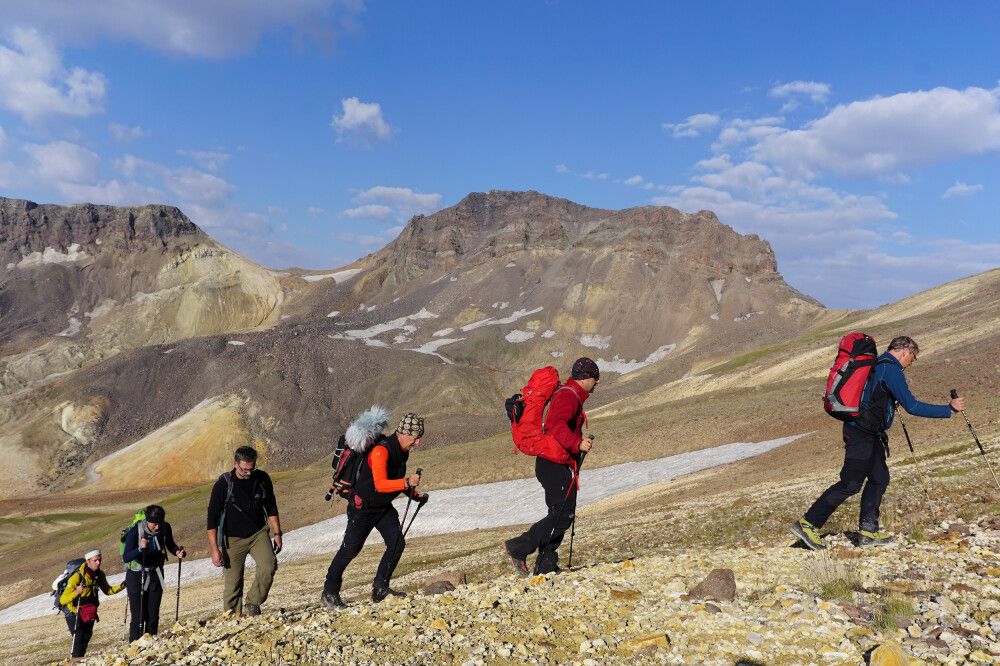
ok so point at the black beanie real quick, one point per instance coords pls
(584, 368)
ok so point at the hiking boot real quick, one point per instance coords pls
(380, 593)
(807, 534)
(520, 566)
(251, 610)
(866, 538)
(332, 600)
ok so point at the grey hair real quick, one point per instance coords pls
(364, 429)
(904, 342)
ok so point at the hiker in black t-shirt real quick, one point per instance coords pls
(241, 506)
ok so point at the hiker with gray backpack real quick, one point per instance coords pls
(370, 484)
(864, 391)
(241, 508)
(77, 597)
(144, 550)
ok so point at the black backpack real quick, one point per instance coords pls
(346, 465)
(59, 584)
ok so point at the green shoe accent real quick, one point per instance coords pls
(807, 534)
(866, 538)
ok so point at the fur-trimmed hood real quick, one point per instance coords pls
(364, 429)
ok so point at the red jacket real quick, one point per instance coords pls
(565, 421)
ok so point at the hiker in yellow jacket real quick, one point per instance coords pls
(80, 599)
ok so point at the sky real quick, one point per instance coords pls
(861, 140)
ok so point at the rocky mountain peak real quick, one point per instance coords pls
(27, 228)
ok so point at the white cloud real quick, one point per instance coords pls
(960, 189)
(126, 134)
(403, 199)
(210, 160)
(742, 130)
(63, 162)
(882, 135)
(364, 240)
(112, 192)
(214, 29)
(793, 92)
(633, 180)
(34, 83)
(315, 211)
(692, 126)
(562, 168)
(361, 122)
(594, 175)
(374, 211)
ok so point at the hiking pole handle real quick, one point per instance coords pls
(954, 393)
(419, 471)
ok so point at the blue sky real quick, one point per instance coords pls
(862, 141)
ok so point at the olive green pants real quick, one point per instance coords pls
(257, 546)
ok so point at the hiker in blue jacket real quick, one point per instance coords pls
(146, 546)
(866, 447)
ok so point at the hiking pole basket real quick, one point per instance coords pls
(982, 450)
(916, 465)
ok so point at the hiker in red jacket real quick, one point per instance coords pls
(557, 471)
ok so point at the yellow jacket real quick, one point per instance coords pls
(91, 581)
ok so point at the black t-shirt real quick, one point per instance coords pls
(252, 502)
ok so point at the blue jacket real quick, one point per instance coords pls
(886, 388)
(156, 548)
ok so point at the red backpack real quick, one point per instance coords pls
(856, 356)
(525, 411)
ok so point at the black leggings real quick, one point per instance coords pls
(82, 631)
(864, 465)
(149, 611)
(546, 535)
(360, 524)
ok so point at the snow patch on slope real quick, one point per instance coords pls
(51, 255)
(510, 319)
(595, 341)
(622, 367)
(517, 336)
(460, 510)
(337, 277)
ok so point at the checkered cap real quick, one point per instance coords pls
(411, 424)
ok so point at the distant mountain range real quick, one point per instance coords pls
(129, 336)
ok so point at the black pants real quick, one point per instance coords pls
(864, 463)
(144, 607)
(546, 535)
(360, 524)
(81, 631)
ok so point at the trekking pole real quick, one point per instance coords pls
(142, 592)
(76, 626)
(125, 628)
(559, 513)
(916, 465)
(409, 500)
(177, 609)
(419, 507)
(572, 529)
(954, 394)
